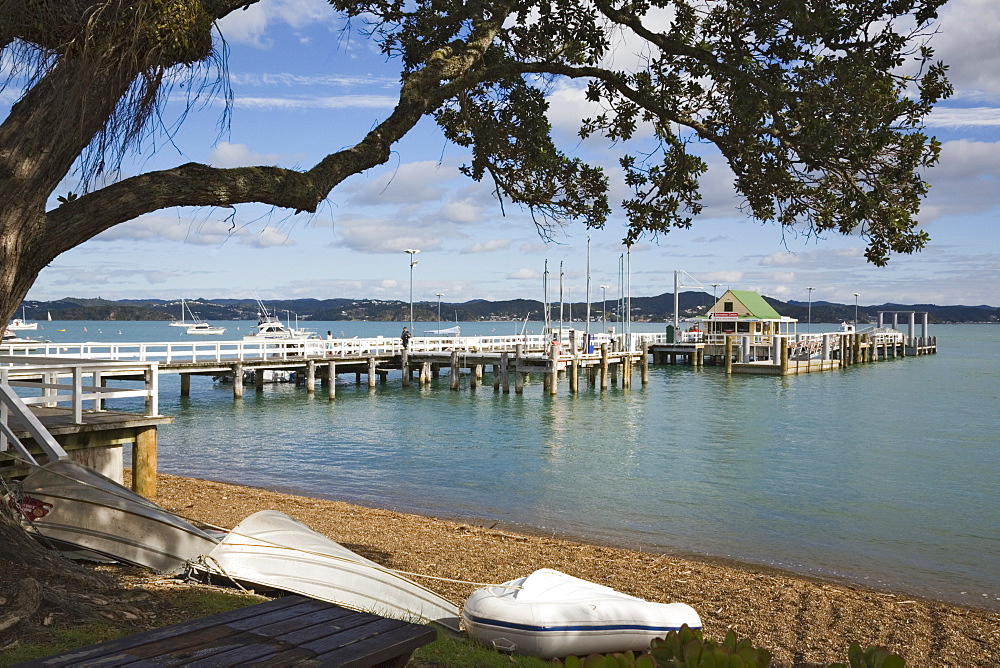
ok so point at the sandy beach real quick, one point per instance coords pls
(801, 621)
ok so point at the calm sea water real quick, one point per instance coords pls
(883, 474)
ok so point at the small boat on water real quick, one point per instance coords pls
(269, 327)
(271, 549)
(73, 505)
(22, 324)
(551, 614)
(202, 327)
(451, 331)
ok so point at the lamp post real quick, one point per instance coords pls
(810, 311)
(411, 252)
(856, 295)
(604, 308)
(439, 296)
(714, 287)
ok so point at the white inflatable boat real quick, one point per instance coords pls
(550, 614)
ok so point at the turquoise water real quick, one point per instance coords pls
(883, 474)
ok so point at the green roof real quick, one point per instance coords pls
(756, 305)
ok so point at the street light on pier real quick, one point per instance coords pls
(604, 308)
(810, 311)
(439, 296)
(856, 295)
(714, 287)
(411, 252)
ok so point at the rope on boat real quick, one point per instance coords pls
(372, 565)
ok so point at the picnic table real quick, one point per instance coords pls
(289, 631)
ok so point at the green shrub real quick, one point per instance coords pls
(688, 649)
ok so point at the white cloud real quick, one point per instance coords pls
(370, 235)
(267, 238)
(299, 80)
(307, 103)
(251, 25)
(159, 228)
(967, 43)
(951, 117)
(525, 274)
(488, 246)
(966, 180)
(239, 155)
(409, 183)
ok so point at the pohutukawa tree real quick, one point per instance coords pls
(816, 106)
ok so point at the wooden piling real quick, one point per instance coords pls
(645, 363)
(518, 374)
(425, 374)
(454, 377)
(371, 373)
(604, 366)
(496, 377)
(474, 376)
(552, 376)
(144, 462)
(311, 377)
(238, 380)
(405, 363)
(505, 372)
(729, 355)
(331, 385)
(185, 385)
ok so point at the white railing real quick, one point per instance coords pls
(40, 382)
(10, 402)
(274, 349)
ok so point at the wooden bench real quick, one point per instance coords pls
(289, 631)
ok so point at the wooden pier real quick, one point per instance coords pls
(80, 375)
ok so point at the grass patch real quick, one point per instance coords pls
(448, 651)
(172, 607)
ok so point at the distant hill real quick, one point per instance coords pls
(644, 309)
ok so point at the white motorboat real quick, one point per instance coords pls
(71, 504)
(22, 324)
(196, 325)
(271, 549)
(202, 327)
(451, 331)
(551, 614)
(269, 327)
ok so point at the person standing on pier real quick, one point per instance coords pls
(405, 336)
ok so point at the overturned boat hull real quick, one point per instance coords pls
(71, 504)
(551, 614)
(271, 549)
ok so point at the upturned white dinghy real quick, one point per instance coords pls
(74, 505)
(551, 614)
(271, 549)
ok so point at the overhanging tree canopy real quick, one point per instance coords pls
(816, 106)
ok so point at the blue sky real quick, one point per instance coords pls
(304, 88)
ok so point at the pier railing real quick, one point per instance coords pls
(193, 352)
(53, 381)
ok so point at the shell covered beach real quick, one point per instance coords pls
(801, 621)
